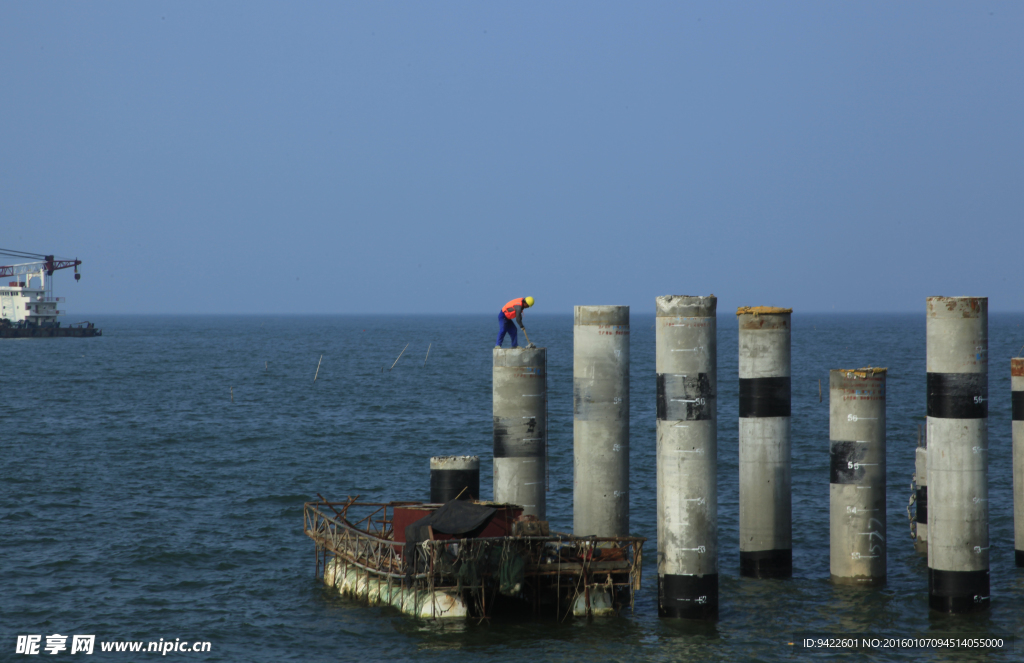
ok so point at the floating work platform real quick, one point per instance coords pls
(399, 554)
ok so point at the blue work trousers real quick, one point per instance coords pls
(506, 326)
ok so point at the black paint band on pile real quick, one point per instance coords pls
(688, 597)
(842, 457)
(767, 563)
(1018, 556)
(592, 402)
(958, 591)
(922, 505)
(446, 485)
(1017, 400)
(518, 438)
(958, 395)
(764, 397)
(685, 397)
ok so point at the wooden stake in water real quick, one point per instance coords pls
(819, 390)
(318, 368)
(428, 353)
(400, 355)
(265, 365)
(232, 394)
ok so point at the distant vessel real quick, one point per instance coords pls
(27, 306)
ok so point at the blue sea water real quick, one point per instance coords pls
(138, 501)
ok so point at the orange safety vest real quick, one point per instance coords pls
(510, 309)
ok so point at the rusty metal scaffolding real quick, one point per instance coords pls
(557, 569)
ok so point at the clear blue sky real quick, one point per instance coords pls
(393, 157)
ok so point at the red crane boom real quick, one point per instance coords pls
(49, 263)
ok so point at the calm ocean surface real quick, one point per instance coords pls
(137, 502)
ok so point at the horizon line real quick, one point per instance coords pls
(476, 314)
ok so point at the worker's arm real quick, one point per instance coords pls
(519, 316)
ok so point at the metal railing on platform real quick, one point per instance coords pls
(559, 563)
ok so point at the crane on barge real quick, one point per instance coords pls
(30, 310)
(45, 263)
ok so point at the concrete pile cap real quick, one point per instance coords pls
(762, 310)
(516, 357)
(455, 462)
(601, 315)
(966, 307)
(862, 372)
(686, 306)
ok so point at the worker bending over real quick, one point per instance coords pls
(509, 312)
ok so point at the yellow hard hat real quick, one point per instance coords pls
(529, 301)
